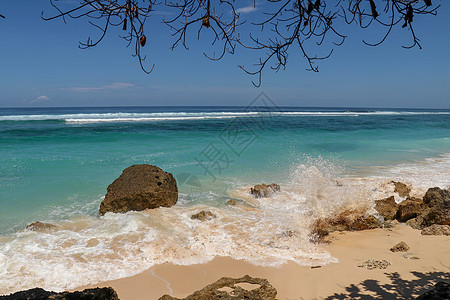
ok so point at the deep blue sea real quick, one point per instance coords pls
(56, 163)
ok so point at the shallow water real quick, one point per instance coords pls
(55, 165)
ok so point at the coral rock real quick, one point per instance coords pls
(215, 291)
(387, 208)
(39, 226)
(400, 247)
(436, 230)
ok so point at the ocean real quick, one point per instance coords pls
(56, 163)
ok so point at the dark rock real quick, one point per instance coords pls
(436, 209)
(440, 291)
(436, 196)
(387, 208)
(140, 187)
(436, 230)
(409, 209)
(39, 226)
(264, 190)
(400, 247)
(106, 293)
(401, 189)
(203, 215)
(215, 291)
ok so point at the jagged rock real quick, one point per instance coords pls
(39, 226)
(264, 190)
(436, 209)
(347, 220)
(106, 293)
(374, 264)
(436, 196)
(436, 230)
(400, 247)
(231, 202)
(402, 189)
(215, 291)
(409, 209)
(140, 187)
(203, 215)
(387, 208)
(440, 291)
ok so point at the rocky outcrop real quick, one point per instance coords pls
(436, 209)
(228, 289)
(264, 190)
(347, 220)
(400, 247)
(402, 189)
(39, 226)
(387, 208)
(203, 215)
(436, 230)
(440, 291)
(140, 187)
(371, 264)
(88, 294)
(409, 209)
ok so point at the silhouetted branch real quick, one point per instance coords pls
(306, 27)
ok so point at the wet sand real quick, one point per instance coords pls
(410, 273)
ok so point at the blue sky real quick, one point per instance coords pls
(41, 65)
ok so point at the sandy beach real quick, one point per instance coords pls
(409, 273)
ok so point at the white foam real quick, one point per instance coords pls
(265, 231)
(173, 116)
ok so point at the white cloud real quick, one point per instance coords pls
(246, 9)
(111, 86)
(40, 99)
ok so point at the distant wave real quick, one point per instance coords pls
(176, 116)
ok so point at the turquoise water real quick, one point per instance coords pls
(56, 163)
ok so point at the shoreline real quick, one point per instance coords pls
(409, 274)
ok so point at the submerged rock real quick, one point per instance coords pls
(203, 215)
(387, 208)
(402, 189)
(374, 264)
(440, 291)
(228, 289)
(106, 293)
(400, 247)
(436, 230)
(232, 202)
(409, 209)
(264, 190)
(140, 187)
(39, 226)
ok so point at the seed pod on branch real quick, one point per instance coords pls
(143, 40)
(408, 16)
(124, 24)
(427, 2)
(205, 22)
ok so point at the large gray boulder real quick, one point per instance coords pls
(140, 187)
